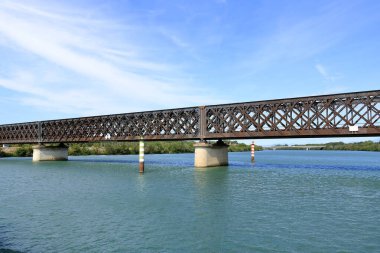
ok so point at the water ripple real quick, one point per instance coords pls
(284, 202)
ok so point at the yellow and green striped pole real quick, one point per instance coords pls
(141, 156)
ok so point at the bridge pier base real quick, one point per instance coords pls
(50, 153)
(210, 155)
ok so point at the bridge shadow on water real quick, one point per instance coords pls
(5, 247)
(9, 251)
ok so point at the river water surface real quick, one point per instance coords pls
(287, 201)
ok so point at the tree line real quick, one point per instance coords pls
(168, 147)
(356, 146)
(359, 146)
(126, 148)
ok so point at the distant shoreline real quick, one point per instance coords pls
(180, 147)
(124, 148)
(357, 146)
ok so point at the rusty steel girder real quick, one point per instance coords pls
(316, 116)
(154, 125)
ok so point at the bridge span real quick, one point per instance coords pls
(336, 115)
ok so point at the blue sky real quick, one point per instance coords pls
(64, 59)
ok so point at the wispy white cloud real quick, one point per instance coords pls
(112, 72)
(326, 74)
(321, 69)
(67, 100)
(175, 39)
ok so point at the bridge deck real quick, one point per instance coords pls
(316, 116)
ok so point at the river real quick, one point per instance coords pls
(287, 201)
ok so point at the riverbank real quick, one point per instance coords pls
(175, 147)
(125, 148)
(356, 146)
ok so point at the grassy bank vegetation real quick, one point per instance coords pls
(17, 151)
(125, 148)
(360, 146)
(356, 146)
(167, 147)
(155, 147)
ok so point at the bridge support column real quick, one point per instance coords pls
(209, 155)
(50, 153)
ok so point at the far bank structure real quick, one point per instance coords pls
(338, 115)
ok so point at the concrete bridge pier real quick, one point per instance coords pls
(210, 155)
(50, 153)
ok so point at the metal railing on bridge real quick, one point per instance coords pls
(348, 114)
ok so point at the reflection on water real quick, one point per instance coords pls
(210, 177)
(287, 201)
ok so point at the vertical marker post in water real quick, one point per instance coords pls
(253, 151)
(141, 156)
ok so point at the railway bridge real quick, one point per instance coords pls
(336, 115)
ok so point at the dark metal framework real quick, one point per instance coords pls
(317, 116)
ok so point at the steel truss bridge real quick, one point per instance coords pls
(337, 115)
